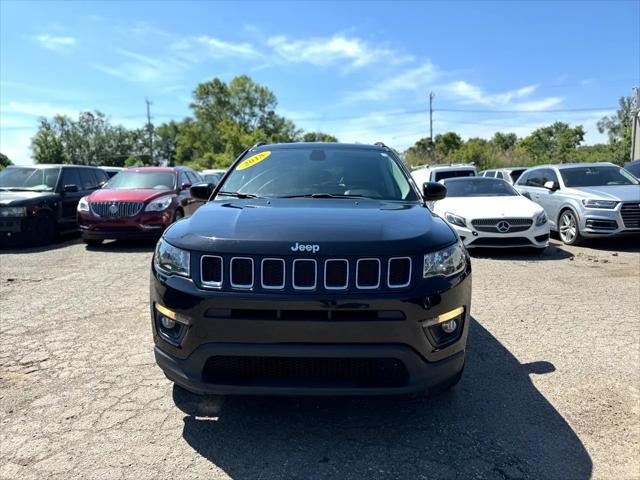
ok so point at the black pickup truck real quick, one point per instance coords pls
(314, 269)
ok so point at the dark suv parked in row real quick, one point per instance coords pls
(39, 201)
(313, 269)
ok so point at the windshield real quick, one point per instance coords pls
(479, 187)
(153, 180)
(453, 174)
(322, 172)
(25, 178)
(596, 176)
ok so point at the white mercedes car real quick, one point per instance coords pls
(488, 212)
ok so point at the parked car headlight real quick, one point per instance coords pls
(445, 262)
(171, 260)
(455, 219)
(83, 205)
(158, 204)
(13, 211)
(600, 203)
(541, 219)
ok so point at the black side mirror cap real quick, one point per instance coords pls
(433, 191)
(72, 187)
(202, 191)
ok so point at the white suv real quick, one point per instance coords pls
(435, 173)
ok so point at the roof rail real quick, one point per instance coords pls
(380, 144)
(259, 144)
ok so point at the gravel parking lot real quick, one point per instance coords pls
(550, 389)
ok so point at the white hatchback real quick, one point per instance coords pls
(488, 212)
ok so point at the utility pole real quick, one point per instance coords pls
(431, 95)
(150, 130)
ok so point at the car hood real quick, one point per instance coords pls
(488, 207)
(23, 198)
(126, 195)
(624, 193)
(337, 226)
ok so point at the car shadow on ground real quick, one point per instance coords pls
(62, 241)
(494, 424)
(124, 246)
(552, 252)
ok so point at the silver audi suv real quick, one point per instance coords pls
(585, 199)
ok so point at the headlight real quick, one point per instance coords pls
(13, 211)
(171, 260)
(158, 204)
(446, 262)
(83, 205)
(541, 219)
(455, 219)
(600, 203)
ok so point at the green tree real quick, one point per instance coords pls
(90, 140)
(318, 137)
(482, 153)
(505, 141)
(446, 144)
(552, 144)
(618, 129)
(4, 161)
(421, 153)
(165, 143)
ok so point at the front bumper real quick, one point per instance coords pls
(12, 229)
(145, 225)
(299, 336)
(534, 237)
(601, 222)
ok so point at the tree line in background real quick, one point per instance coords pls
(227, 118)
(556, 143)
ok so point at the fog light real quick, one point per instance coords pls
(450, 326)
(169, 323)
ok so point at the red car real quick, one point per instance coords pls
(138, 203)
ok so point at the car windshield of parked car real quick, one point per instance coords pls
(151, 180)
(479, 187)
(515, 174)
(596, 176)
(25, 178)
(322, 172)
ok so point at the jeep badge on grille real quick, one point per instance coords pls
(305, 248)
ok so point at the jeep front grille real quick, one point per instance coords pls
(491, 224)
(116, 209)
(305, 274)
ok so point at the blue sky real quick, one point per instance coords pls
(361, 71)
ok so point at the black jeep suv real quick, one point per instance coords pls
(314, 268)
(39, 201)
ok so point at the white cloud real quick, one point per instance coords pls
(56, 43)
(322, 51)
(35, 109)
(144, 69)
(218, 48)
(16, 144)
(409, 80)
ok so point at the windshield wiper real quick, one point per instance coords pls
(240, 195)
(325, 195)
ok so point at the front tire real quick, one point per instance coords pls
(568, 228)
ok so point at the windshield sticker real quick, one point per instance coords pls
(251, 161)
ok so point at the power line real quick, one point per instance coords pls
(558, 110)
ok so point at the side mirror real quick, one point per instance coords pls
(185, 185)
(433, 191)
(551, 185)
(202, 191)
(72, 187)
